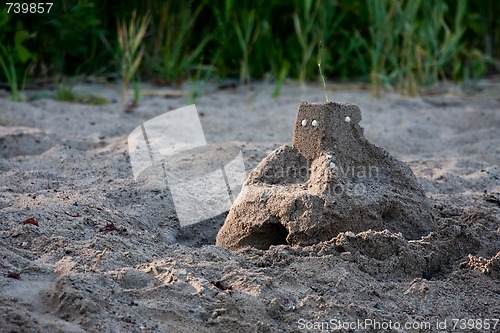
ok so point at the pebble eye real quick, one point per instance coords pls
(347, 119)
(304, 123)
(314, 123)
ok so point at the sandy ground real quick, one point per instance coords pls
(67, 166)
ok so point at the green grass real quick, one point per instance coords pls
(9, 71)
(65, 92)
(131, 50)
(395, 44)
(414, 44)
(314, 21)
(247, 30)
(281, 77)
(175, 54)
(304, 23)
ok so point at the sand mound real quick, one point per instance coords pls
(330, 180)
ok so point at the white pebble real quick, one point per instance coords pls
(332, 165)
(347, 119)
(314, 123)
(304, 122)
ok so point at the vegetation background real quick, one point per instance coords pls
(401, 44)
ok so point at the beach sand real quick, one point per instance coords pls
(67, 166)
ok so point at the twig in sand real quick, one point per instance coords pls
(320, 49)
(31, 220)
(99, 257)
(108, 227)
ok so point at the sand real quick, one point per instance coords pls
(67, 166)
(329, 181)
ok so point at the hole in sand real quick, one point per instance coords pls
(271, 234)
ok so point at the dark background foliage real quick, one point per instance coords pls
(186, 38)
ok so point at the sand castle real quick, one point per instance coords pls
(330, 180)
